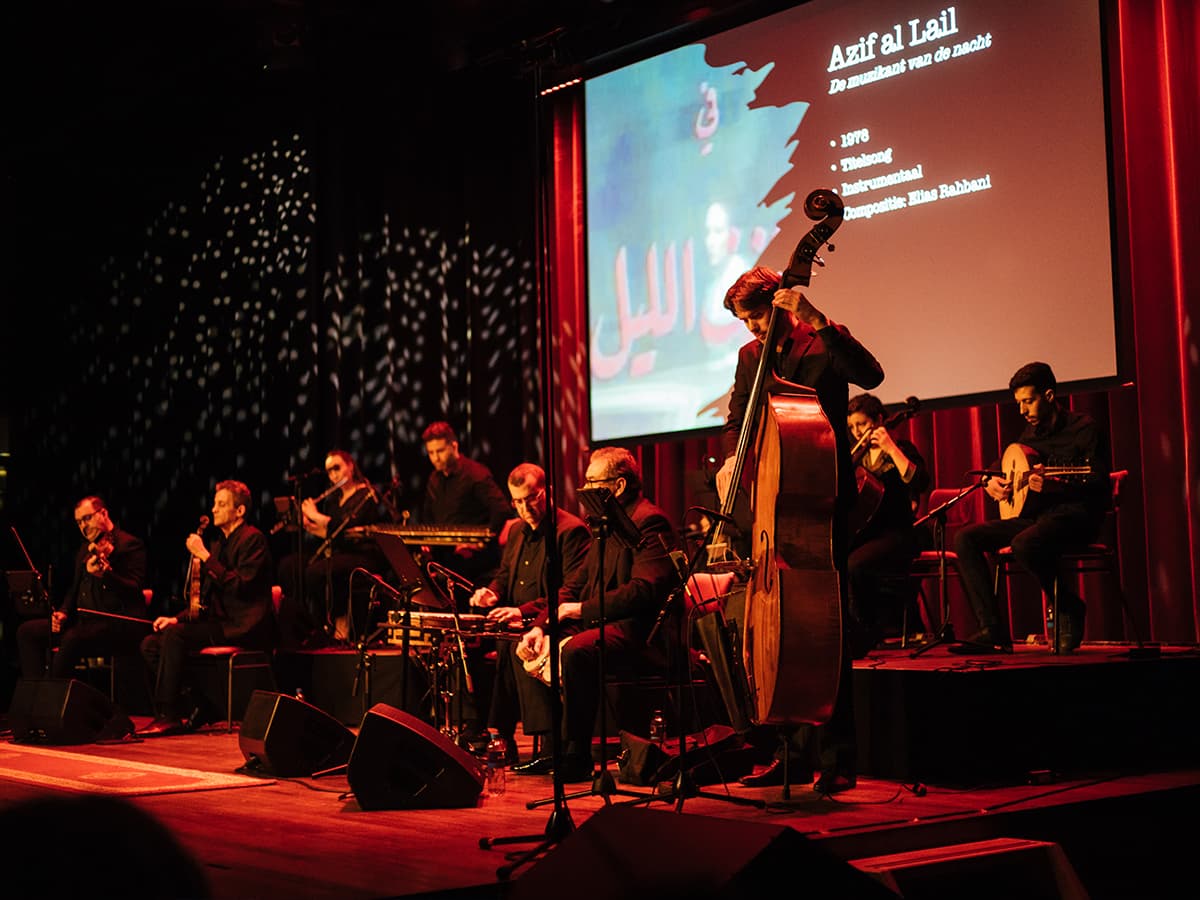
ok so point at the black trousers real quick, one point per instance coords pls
(625, 653)
(517, 696)
(89, 636)
(1037, 545)
(166, 654)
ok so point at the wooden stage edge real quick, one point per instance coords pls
(1093, 753)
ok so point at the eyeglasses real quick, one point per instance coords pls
(528, 500)
(83, 520)
(592, 482)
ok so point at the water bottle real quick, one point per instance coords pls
(1049, 622)
(495, 758)
(658, 728)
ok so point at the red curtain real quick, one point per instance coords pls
(1153, 420)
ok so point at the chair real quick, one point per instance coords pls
(938, 563)
(234, 660)
(631, 697)
(239, 659)
(1101, 556)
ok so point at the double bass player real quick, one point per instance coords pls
(817, 353)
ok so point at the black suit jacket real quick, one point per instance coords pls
(829, 361)
(637, 582)
(236, 586)
(118, 590)
(573, 541)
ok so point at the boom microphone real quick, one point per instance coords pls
(450, 575)
(399, 596)
(714, 515)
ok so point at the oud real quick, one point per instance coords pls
(1017, 464)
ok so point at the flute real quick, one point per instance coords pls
(329, 490)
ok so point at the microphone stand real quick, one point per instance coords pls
(326, 550)
(559, 825)
(294, 510)
(468, 682)
(945, 633)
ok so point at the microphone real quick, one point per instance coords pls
(450, 575)
(986, 473)
(400, 596)
(714, 515)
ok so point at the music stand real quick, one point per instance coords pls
(34, 592)
(945, 633)
(411, 574)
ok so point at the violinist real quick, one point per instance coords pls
(324, 608)
(818, 353)
(892, 476)
(235, 608)
(110, 569)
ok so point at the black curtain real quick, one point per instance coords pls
(225, 277)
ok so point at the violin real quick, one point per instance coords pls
(195, 604)
(870, 488)
(98, 553)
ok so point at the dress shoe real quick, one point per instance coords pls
(985, 640)
(834, 782)
(163, 726)
(541, 765)
(772, 775)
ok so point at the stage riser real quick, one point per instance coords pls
(974, 727)
(327, 681)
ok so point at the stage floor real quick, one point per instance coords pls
(1115, 824)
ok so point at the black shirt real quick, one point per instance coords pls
(1073, 439)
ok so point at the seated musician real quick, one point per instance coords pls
(893, 477)
(110, 569)
(1058, 515)
(517, 592)
(825, 356)
(236, 608)
(461, 491)
(324, 609)
(637, 584)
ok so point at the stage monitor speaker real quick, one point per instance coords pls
(284, 736)
(64, 711)
(630, 852)
(399, 762)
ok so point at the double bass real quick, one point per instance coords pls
(792, 626)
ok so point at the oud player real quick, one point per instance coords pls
(1059, 514)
